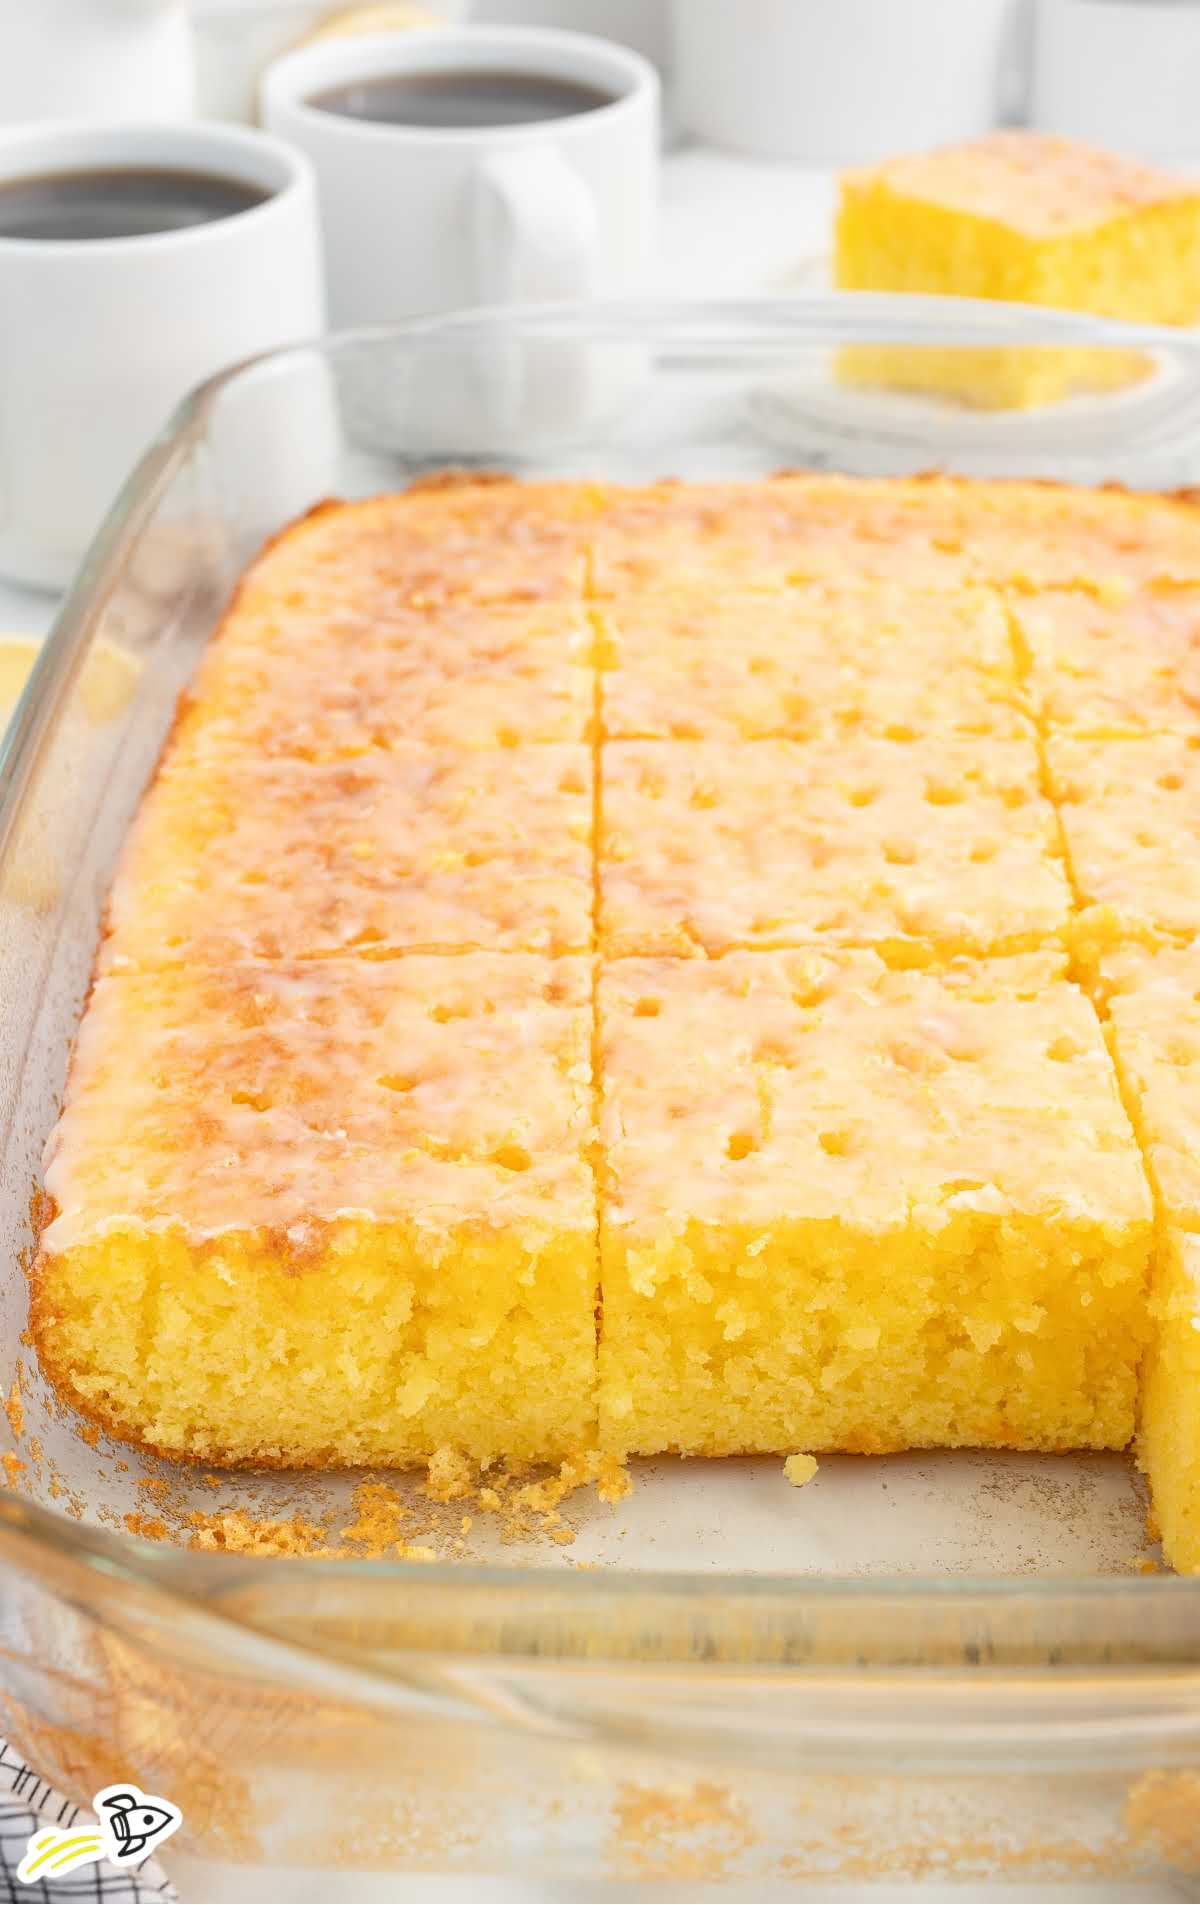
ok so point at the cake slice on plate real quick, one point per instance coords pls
(1032, 219)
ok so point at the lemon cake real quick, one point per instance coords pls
(1151, 1000)
(337, 1212)
(697, 967)
(1130, 813)
(1112, 665)
(1030, 218)
(443, 543)
(764, 536)
(851, 1208)
(835, 659)
(922, 848)
(331, 685)
(929, 531)
(415, 849)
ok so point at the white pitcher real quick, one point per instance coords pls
(95, 59)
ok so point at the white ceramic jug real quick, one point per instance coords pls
(95, 59)
(840, 81)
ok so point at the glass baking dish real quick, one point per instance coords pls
(958, 1669)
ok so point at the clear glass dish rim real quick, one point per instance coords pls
(705, 330)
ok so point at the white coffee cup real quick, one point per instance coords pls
(1123, 73)
(420, 219)
(99, 339)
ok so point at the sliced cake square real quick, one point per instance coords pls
(465, 539)
(842, 658)
(333, 1213)
(844, 1207)
(945, 846)
(794, 528)
(1130, 813)
(926, 531)
(1031, 218)
(414, 849)
(1125, 664)
(1027, 535)
(1169, 1432)
(330, 685)
(1153, 1002)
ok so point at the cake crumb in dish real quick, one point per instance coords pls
(800, 1469)
(397, 1519)
(449, 1476)
(235, 1531)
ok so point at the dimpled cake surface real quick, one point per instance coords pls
(406, 849)
(696, 968)
(1031, 218)
(942, 845)
(850, 1207)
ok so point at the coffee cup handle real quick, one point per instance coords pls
(536, 232)
(536, 242)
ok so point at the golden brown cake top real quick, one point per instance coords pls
(758, 1089)
(926, 531)
(1038, 183)
(1106, 668)
(330, 682)
(949, 843)
(278, 1098)
(696, 663)
(463, 541)
(420, 849)
(1131, 810)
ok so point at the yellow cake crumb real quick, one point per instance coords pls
(800, 1469)
(449, 1477)
(379, 1516)
(235, 1531)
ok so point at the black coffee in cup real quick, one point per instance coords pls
(118, 202)
(460, 99)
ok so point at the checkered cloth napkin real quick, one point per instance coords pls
(27, 1804)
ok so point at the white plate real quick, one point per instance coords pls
(873, 430)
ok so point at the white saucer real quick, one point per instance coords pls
(807, 411)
